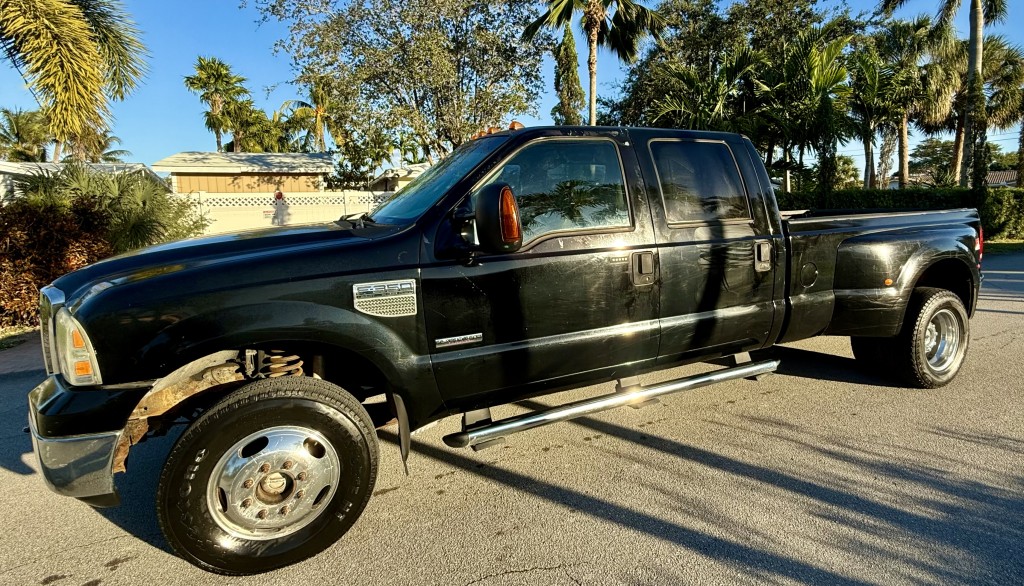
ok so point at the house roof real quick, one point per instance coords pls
(1001, 177)
(409, 171)
(235, 163)
(994, 178)
(13, 168)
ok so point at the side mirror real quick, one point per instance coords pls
(498, 226)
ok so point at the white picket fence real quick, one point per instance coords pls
(232, 212)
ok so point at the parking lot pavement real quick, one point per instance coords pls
(822, 473)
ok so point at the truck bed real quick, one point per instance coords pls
(838, 261)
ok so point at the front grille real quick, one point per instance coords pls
(50, 300)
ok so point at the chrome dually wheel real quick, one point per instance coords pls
(932, 347)
(271, 483)
(942, 340)
(274, 473)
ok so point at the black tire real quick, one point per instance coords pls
(932, 345)
(252, 442)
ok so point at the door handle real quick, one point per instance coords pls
(762, 256)
(642, 265)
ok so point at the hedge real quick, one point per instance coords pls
(59, 222)
(1001, 209)
(39, 243)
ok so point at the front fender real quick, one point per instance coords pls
(392, 345)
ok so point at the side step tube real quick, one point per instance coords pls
(504, 427)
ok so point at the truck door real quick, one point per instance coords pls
(717, 264)
(576, 302)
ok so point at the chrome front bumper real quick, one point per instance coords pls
(77, 465)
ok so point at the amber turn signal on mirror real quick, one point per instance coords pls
(511, 229)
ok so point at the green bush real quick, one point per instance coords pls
(1001, 210)
(62, 222)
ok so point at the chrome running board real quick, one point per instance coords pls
(498, 429)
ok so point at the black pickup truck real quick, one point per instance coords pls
(528, 261)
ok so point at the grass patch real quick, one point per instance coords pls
(13, 336)
(1003, 246)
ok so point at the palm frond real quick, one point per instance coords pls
(122, 52)
(53, 42)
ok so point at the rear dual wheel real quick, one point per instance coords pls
(930, 349)
(273, 474)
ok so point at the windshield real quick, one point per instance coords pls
(424, 191)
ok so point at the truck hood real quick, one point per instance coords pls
(192, 253)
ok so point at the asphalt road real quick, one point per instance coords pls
(820, 474)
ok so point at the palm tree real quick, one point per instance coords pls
(619, 25)
(317, 111)
(828, 92)
(216, 86)
(97, 147)
(1020, 144)
(874, 103)
(902, 45)
(74, 55)
(703, 98)
(23, 135)
(947, 108)
(980, 12)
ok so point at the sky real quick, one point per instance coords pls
(162, 118)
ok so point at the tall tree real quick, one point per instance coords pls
(74, 55)
(902, 46)
(571, 99)
(703, 98)
(873, 102)
(216, 86)
(828, 92)
(949, 96)
(96, 147)
(695, 34)
(24, 135)
(1020, 145)
(619, 25)
(980, 12)
(317, 112)
(440, 78)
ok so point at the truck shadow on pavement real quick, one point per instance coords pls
(137, 512)
(641, 521)
(822, 366)
(15, 443)
(953, 530)
(950, 529)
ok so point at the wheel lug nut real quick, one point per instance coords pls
(265, 468)
(300, 494)
(262, 514)
(246, 503)
(248, 483)
(287, 465)
(285, 509)
(301, 477)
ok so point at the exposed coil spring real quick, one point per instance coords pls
(276, 363)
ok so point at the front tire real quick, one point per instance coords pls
(273, 474)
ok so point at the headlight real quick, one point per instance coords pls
(74, 350)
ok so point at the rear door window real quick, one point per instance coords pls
(699, 181)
